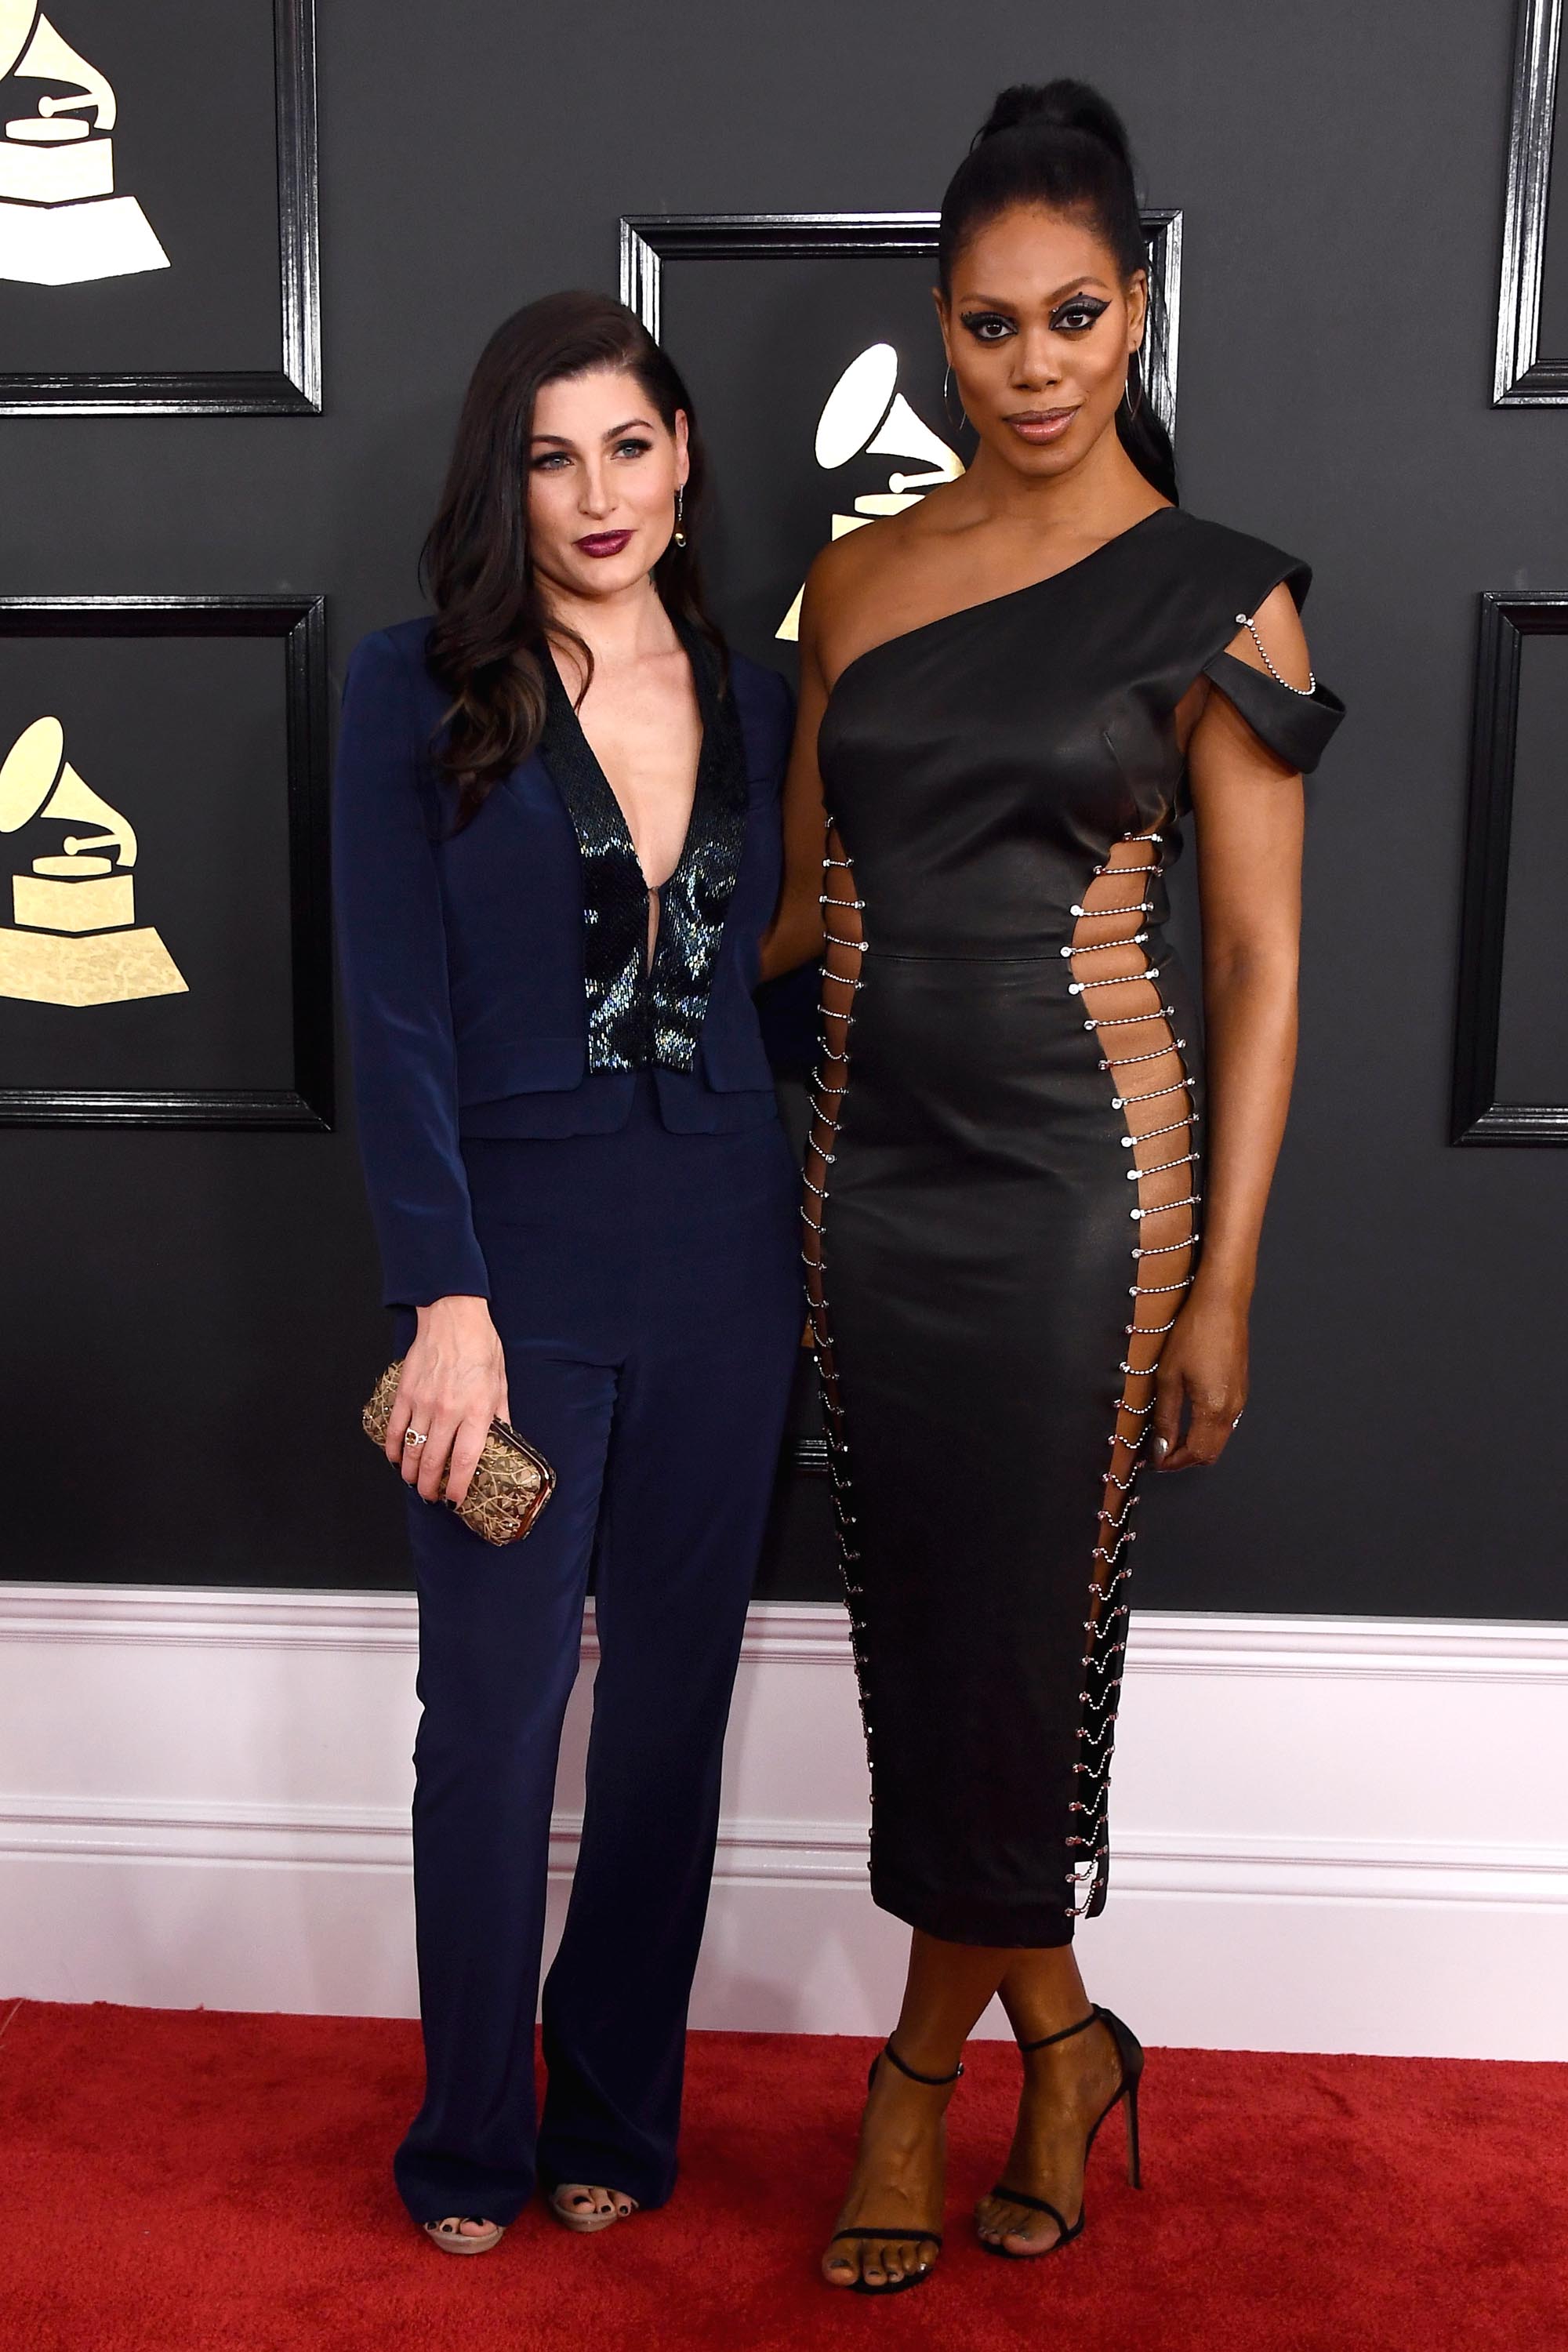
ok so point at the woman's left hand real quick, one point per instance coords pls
(1203, 1368)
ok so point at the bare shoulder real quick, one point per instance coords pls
(856, 582)
(847, 567)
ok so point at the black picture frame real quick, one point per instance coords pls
(650, 239)
(294, 387)
(1525, 377)
(1477, 1116)
(300, 621)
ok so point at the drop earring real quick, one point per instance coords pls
(680, 514)
(963, 417)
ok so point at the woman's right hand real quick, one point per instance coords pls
(453, 1386)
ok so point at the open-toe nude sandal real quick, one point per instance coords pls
(587, 2224)
(452, 2238)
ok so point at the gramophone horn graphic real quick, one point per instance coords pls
(60, 220)
(866, 411)
(73, 938)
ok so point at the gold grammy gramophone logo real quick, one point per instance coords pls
(72, 936)
(60, 220)
(866, 411)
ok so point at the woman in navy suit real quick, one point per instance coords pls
(557, 844)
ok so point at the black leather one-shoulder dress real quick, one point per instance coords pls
(1002, 1186)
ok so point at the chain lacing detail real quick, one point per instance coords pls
(1105, 1627)
(826, 1096)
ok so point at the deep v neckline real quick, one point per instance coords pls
(592, 762)
(644, 1009)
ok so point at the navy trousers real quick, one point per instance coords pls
(645, 1286)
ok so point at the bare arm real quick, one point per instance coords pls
(1248, 809)
(794, 936)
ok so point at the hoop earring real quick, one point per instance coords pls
(680, 514)
(947, 402)
(1133, 407)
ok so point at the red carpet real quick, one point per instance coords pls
(182, 2181)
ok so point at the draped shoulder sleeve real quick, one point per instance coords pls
(1296, 723)
(1296, 726)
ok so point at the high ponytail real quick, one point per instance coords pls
(1057, 106)
(1062, 146)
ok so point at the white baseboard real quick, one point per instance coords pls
(1312, 1848)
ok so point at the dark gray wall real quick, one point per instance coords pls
(192, 1314)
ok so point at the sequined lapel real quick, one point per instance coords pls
(695, 901)
(636, 1015)
(615, 897)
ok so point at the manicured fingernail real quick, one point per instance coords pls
(1161, 1447)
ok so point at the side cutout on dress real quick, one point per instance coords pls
(844, 952)
(1118, 986)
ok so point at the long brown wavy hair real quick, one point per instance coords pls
(488, 641)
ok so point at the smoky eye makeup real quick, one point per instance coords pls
(1077, 313)
(981, 323)
(1076, 316)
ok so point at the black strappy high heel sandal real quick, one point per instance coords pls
(1130, 2051)
(916, 2237)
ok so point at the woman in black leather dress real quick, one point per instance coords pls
(1011, 694)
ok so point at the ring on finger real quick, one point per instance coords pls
(415, 1436)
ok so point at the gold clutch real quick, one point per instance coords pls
(511, 1482)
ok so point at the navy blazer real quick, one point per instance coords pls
(462, 957)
